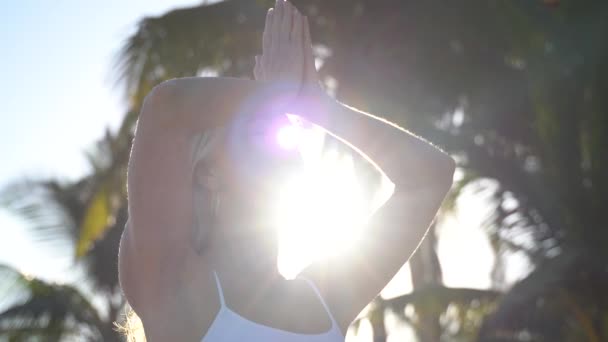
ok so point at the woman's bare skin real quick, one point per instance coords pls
(171, 286)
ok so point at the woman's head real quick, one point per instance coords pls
(236, 170)
(237, 175)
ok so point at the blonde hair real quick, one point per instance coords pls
(203, 146)
(203, 149)
(132, 328)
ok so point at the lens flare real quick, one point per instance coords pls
(320, 211)
(289, 136)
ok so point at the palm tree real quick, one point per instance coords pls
(511, 89)
(223, 37)
(89, 213)
(46, 311)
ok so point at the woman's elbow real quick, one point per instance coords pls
(162, 93)
(160, 105)
(445, 175)
(178, 103)
(437, 173)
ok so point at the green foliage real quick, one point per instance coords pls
(48, 312)
(513, 89)
(564, 300)
(460, 311)
(86, 216)
(95, 221)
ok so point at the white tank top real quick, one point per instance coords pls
(229, 326)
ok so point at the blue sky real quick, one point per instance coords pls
(57, 97)
(57, 93)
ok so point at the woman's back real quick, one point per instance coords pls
(302, 323)
(282, 310)
(192, 217)
(172, 288)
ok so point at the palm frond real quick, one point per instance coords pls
(185, 41)
(48, 209)
(43, 309)
(95, 220)
(561, 299)
(465, 306)
(108, 191)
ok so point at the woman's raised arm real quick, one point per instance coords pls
(156, 242)
(421, 174)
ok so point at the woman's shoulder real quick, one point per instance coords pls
(199, 88)
(220, 88)
(222, 97)
(214, 91)
(185, 85)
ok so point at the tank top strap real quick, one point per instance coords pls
(220, 292)
(318, 293)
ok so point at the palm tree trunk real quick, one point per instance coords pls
(379, 329)
(426, 271)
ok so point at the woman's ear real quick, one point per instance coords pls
(206, 176)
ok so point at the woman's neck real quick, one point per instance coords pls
(246, 258)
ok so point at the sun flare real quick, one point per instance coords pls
(321, 209)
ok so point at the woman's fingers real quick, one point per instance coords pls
(257, 68)
(266, 34)
(275, 41)
(277, 18)
(297, 27)
(284, 54)
(286, 22)
(310, 72)
(295, 18)
(268, 54)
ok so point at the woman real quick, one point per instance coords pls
(198, 257)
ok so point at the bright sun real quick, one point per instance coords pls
(321, 208)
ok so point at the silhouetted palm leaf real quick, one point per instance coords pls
(44, 310)
(562, 300)
(465, 308)
(85, 216)
(221, 36)
(528, 79)
(50, 208)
